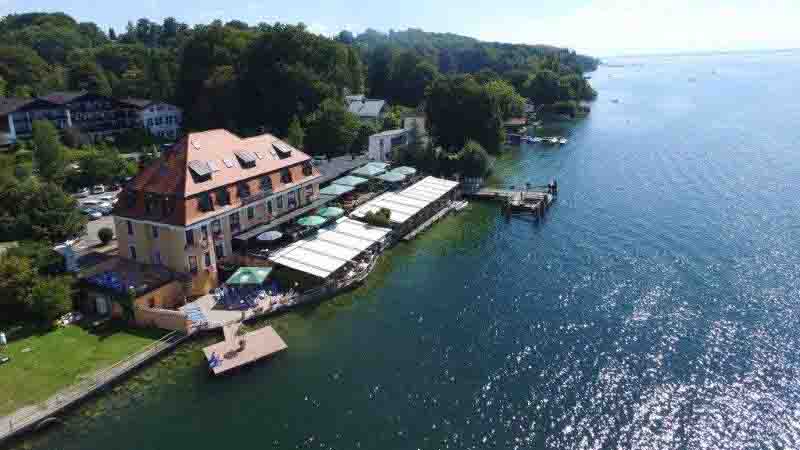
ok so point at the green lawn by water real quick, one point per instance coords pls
(59, 358)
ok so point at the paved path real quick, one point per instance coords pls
(29, 417)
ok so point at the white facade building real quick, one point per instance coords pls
(384, 145)
(161, 119)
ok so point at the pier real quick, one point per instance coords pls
(530, 200)
(236, 351)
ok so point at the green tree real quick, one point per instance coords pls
(361, 142)
(296, 133)
(543, 87)
(331, 129)
(473, 160)
(105, 235)
(51, 297)
(103, 165)
(22, 66)
(52, 215)
(41, 255)
(3, 86)
(511, 103)
(49, 155)
(17, 275)
(87, 75)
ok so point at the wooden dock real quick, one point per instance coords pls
(518, 201)
(236, 351)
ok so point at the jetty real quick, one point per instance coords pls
(529, 200)
(236, 351)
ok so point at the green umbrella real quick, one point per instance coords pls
(330, 211)
(249, 275)
(312, 221)
(369, 171)
(392, 177)
(336, 189)
(350, 181)
(405, 170)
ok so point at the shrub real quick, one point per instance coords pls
(381, 218)
(51, 297)
(105, 235)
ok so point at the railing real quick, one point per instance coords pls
(31, 415)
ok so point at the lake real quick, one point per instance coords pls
(656, 306)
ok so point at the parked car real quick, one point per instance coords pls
(98, 189)
(108, 198)
(82, 193)
(90, 202)
(92, 213)
(104, 208)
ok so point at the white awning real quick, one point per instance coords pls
(330, 249)
(405, 204)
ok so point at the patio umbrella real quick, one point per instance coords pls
(331, 211)
(392, 177)
(336, 190)
(369, 171)
(405, 170)
(312, 221)
(249, 275)
(270, 236)
(350, 181)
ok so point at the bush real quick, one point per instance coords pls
(105, 235)
(378, 219)
(51, 298)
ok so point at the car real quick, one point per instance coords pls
(90, 202)
(98, 189)
(92, 213)
(82, 193)
(104, 208)
(108, 198)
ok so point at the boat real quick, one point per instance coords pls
(461, 205)
(554, 140)
(528, 139)
(537, 140)
(4, 359)
(563, 141)
(616, 100)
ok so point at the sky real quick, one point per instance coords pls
(596, 27)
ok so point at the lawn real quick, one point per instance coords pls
(58, 358)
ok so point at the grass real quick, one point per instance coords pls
(59, 358)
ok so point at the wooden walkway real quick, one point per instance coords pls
(236, 351)
(517, 200)
(34, 416)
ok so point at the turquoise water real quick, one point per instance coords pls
(657, 305)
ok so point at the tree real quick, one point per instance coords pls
(511, 103)
(48, 153)
(380, 218)
(3, 86)
(17, 275)
(543, 87)
(112, 35)
(21, 66)
(296, 133)
(459, 109)
(87, 75)
(41, 255)
(103, 165)
(473, 160)
(51, 297)
(345, 37)
(331, 129)
(361, 142)
(105, 235)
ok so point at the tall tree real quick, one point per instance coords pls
(3, 86)
(331, 129)
(296, 133)
(49, 155)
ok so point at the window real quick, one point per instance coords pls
(207, 259)
(291, 200)
(244, 189)
(130, 227)
(219, 249)
(216, 227)
(150, 122)
(157, 257)
(279, 202)
(155, 231)
(266, 183)
(167, 205)
(269, 207)
(189, 237)
(235, 225)
(132, 250)
(223, 198)
(204, 202)
(251, 213)
(307, 170)
(286, 176)
(193, 264)
(204, 232)
(309, 192)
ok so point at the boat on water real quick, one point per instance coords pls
(537, 139)
(461, 205)
(563, 141)
(528, 139)
(554, 140)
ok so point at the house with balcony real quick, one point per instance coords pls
(185, 209)
(158, 118)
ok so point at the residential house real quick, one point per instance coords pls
(366, 109)
(93, 114)
(158, 118)
(184, 210)
(384, 146)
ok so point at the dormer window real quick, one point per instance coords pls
(286, 176)
(246, 159)
(223, 197)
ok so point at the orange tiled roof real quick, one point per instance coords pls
(170, 174)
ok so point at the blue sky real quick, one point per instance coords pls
(598, 27)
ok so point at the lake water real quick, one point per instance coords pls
(657, 305)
